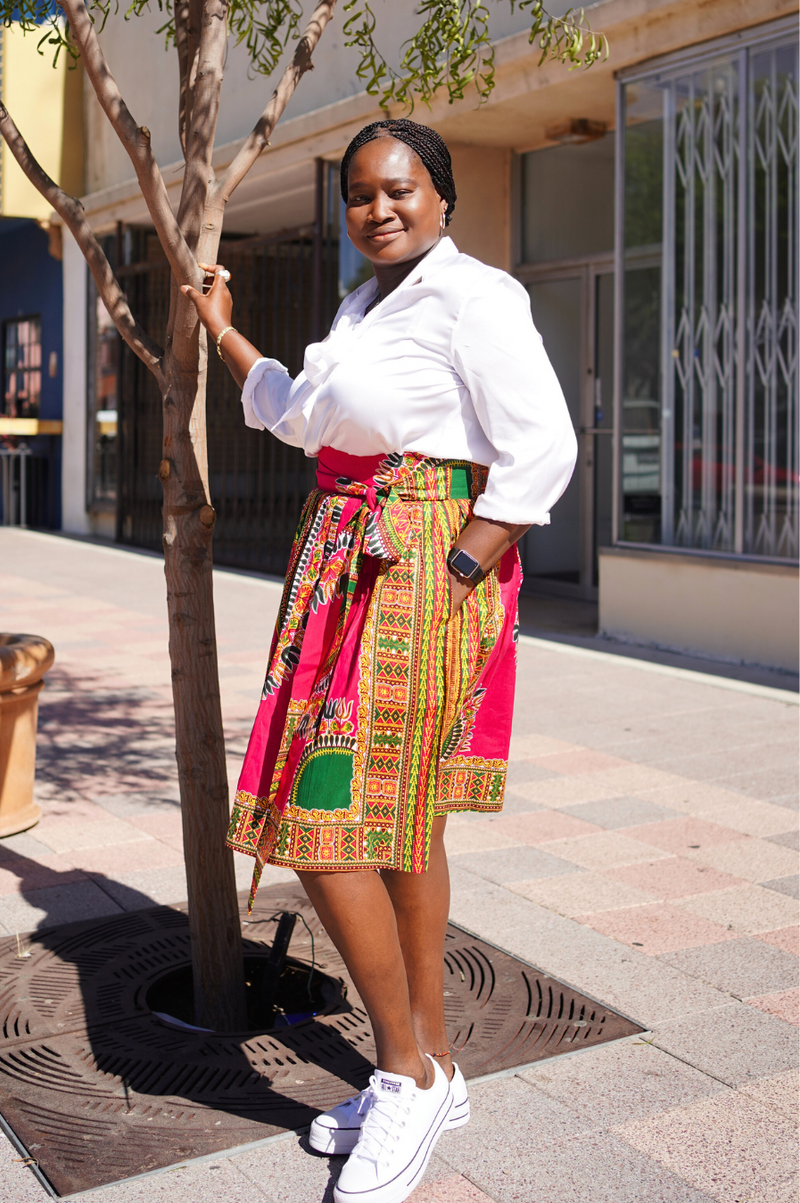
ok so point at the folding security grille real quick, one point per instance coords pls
(718, 261)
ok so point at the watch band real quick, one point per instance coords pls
(465, 565)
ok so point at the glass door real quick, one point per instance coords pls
(572, 308)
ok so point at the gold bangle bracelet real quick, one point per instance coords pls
(220, 337)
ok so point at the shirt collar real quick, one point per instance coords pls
(442, 253)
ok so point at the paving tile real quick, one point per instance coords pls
(656, 928)
(513, 864)
(580, 760)
(452, 1189)
(547, 1159)
(591, 787)
(789, 839)
(746, 909)
(524, 747)
(146, 887)
(54, 905)
(21, 874)
(684, 835)
(747, 815)
(612, 1084)
(622, 977)
(203, 1183)
(784, 1004)
(522, 771)
(274, 1166)
(469, 835)
(24, 844)
(779, 1092)
(17, 1183)
(672, 877)
(736, 1043)
(728, 1146)
(743, 967)
(132, 804)
(63, 835)
(538, 827)
(580, 893)
(125, 858)
(790, 886)
(754, 860)
(613, 813)
(603, 850)
(787, 938)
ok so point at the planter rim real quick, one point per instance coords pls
(24, 659)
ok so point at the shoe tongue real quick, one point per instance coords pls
(392, 1086)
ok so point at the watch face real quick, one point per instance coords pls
(464, 563)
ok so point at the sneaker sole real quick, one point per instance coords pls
(398, 1191)
(341, 1141)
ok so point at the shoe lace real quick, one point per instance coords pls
(380, 1127)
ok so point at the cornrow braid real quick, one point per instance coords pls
(424, 141)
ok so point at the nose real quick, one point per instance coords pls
(380, 210)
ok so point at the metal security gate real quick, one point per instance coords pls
(710, 145)
(284, 290)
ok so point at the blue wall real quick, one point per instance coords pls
(30, 283)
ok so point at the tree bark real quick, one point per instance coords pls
(189, 518)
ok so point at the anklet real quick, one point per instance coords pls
(447, 1054)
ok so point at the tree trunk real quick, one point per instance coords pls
(200, 748)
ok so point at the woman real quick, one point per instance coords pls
(442, 435)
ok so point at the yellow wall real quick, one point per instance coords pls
(46, 105)
(731, 609)
(481, 222)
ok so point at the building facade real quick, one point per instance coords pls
(648, 205)
(49, 104)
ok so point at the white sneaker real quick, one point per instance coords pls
(336, 1131)
(399, 1131)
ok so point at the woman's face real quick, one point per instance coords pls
(394, 213)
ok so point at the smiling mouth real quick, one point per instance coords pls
(384, 233)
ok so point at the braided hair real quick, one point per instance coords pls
(426, 144)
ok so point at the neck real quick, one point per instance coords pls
(390, 275)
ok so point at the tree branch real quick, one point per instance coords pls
(205, 88)
(136, 141)
(258, 139)
(71, 211)
(188, 21)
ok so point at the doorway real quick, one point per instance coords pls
(573, 309)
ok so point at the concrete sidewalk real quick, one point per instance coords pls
(647, 855)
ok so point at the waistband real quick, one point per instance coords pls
(410, 477)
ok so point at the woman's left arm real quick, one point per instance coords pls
(519, 403)
(487, 542)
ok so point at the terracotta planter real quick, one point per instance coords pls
(24, 659)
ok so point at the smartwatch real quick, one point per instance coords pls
(465, 565)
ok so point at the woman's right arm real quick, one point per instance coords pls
(214, 309)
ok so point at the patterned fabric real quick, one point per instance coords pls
(379, 711)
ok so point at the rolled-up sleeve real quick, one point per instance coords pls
(266, 402)
(518, 401)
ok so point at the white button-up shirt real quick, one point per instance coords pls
(449, 365)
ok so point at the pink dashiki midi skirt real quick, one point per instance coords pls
(379, 710)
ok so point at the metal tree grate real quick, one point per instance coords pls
(97, 1090)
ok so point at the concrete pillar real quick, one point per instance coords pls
(73, 478)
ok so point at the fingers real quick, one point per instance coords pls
(214, 269)
(190, 292)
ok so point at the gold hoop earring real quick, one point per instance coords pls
(442, 223)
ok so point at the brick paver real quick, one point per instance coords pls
(647, 855)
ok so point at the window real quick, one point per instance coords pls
(708, 274)
(22, 376)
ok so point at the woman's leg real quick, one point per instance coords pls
(358, 915)
(421, 905)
